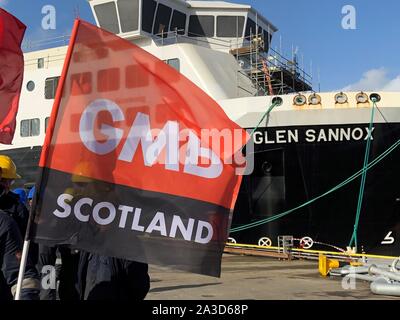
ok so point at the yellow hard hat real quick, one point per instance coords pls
(78, 178)
(8, 168)
(82, 172)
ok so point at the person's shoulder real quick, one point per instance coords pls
(13, 195)
(6, 221)
(15, 201)
(5, 217)
(11, 198)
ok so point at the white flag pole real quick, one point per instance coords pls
(22, 267)
(25, 249)
(49, 133)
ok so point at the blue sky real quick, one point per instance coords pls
(364, 58)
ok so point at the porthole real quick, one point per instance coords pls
(30, 86)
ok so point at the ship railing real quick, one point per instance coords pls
(277, 60)
(178, 36)
(252, 63)
(46, 60)
(255, 52)
(29, 45)
(279, 66)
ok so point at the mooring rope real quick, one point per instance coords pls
(363, 179)
(370, 165)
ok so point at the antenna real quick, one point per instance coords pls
(257, 24)
(76, 11)
(319, 80)
(296, 50)
(292, 52)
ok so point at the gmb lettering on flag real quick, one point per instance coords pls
(130, 167)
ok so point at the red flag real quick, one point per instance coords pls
(127, 169)
(11, 73)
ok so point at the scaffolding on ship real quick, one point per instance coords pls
(270, 71)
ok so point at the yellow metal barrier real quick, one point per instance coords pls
(325, 265)
(343, 254)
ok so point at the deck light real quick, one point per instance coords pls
(299, 100)
(314, 99)
(341, 98)
(361, 97)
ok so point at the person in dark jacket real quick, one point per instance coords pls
(65, 272)
(14, 219)
(10, 257)
(107, 278)
(10, 201)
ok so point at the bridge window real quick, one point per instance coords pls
(81, 83)
(201, 26)
(107, 16)
(267, 40)
(30, 127)
(230, 26)
(250, 28)
(129, 14)
(174, 63)
(46, 123)
(136, 76)
(148, 10)
(162, 19)
(50, 87)
(108, 80)
(178, 22)
(40, 63)
(260, 31)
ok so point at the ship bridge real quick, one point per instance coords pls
(217, 24)
(236, 29)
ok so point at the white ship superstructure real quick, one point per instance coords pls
(308, 143)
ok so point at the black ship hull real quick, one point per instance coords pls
(293, 165)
